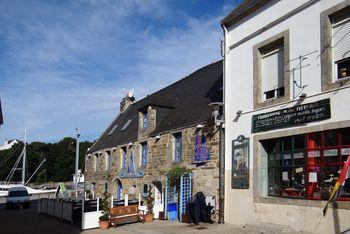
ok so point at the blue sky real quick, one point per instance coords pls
(67, 64)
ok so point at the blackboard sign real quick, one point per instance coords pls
(301, 114)
(240, 163)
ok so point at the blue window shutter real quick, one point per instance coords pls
(178, 148)
(144, 154)
(131, 168)
(144, 120)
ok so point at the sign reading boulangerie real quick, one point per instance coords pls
(301, 114)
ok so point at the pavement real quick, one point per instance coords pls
(28, 221)
(158, 227)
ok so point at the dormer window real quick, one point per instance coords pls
(144, 119)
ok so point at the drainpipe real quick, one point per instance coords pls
(222, 139)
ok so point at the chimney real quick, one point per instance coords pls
(127, 101)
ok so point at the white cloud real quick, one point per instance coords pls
(73, 69)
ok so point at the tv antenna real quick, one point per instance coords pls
(299, 67)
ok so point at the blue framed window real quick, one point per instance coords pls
(144, 154)
(178, 147)
(144, 119)
(124, 157)
(131, 168)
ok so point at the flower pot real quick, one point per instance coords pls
(103, 224)
(148, 218)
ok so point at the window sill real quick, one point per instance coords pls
(271, 102)
(302, 202)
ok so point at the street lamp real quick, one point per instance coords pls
(218, 114)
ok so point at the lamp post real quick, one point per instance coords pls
(217, 113)
(77, 163)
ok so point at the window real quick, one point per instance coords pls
(177, 147)
(123, 158)
(95, 162)
(144, 119)
(108, 159)
(112, 130)
(126, 125)
(145, 190)
(307, 166)
(273, 71)
(341, 44)
(335, 46)
(286, 166)
(144, 154)
(131, 167)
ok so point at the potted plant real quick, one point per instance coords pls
(104, 218)
(149, 202)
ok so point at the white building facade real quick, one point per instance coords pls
(287, 112)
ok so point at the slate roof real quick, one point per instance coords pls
(181, 104)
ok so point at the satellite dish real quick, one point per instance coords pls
(131, 93)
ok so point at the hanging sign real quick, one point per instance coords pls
(240, 163)
(311, 112)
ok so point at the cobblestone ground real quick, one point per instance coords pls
(167, 227)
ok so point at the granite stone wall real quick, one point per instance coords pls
(160, 160)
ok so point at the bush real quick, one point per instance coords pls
(105, 207)
(150, 201)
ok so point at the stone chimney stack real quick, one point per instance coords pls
(126, 101)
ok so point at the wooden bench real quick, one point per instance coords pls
(126, 214)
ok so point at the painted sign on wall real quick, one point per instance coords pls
(240, 163)
(300, 114)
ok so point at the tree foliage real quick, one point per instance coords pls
(59, 165)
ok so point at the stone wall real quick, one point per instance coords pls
(160, 160)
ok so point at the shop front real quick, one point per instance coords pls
(306, 166)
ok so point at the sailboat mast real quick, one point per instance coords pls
(24, 157)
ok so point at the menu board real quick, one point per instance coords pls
(296, 115)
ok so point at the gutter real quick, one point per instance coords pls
(222, 138)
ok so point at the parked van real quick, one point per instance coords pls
(17, 196)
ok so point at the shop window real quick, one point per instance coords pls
(286, 166)
(308, 166)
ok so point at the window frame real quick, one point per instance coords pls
(177, 147)
(123, 157)
(144, 154)
(328, 73)
(258, 99)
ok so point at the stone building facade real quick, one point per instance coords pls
(157, 133)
